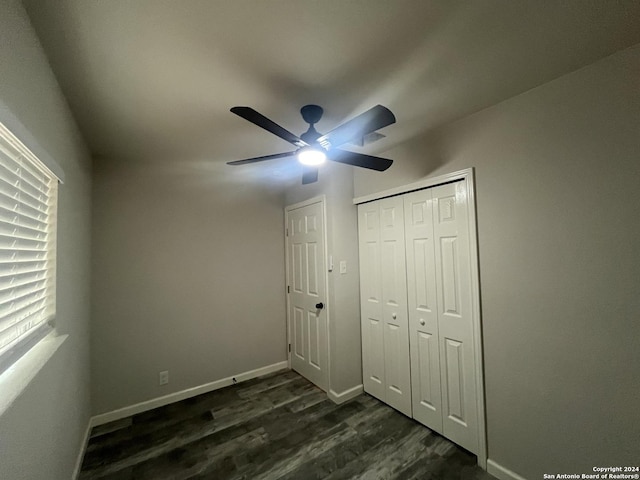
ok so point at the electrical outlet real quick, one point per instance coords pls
(164, 377)
(343, 266)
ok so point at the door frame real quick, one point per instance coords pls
(323, 207)
(468, 177)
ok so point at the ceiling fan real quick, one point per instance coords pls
(313, 148)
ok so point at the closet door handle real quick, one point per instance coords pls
(422, 322)
(394, 316)
(320, 306)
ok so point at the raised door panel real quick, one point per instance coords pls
(314, 337)
(455, 316)
(373, 354)
(373, 350)
(455, 376)
(422, 308)
(313, 271)
(426, 382)
(299, 335)
(394, 305)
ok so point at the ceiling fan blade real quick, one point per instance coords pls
(262, 159)
(359, 160)
(260, 120)
(309, 175)
(367, 122)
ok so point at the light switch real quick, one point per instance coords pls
(343, 266)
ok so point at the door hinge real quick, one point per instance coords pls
(287, 232)
(289, 348)
(288, 289)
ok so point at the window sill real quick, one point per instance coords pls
(17, 377)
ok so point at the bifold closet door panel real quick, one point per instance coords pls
(394, 305)
(455, 316)
(373, 355)
(423, 311)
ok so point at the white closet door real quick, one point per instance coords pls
(423, 311)
(371, 300)
(394, 305)
(455, 327)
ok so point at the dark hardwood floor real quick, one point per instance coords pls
(275, 427)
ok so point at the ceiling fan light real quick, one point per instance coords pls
(311, 156)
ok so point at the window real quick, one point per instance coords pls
(28, 209)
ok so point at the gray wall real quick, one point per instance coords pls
(336, 183)
(557, 175)
(188, 277)
(42, 432)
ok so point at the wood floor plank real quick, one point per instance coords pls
(266, 383)
(200, 456)
(111, 427)
(345, 455)
(277, 427)
(379, 447)
(285, 452)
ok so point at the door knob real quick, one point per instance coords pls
(422, 322)
(320, 306)
(394, 316)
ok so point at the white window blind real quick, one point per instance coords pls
(28, 209)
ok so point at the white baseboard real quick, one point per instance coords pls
(182, 395)
(346, 395)
(502, 473)
(83, 448)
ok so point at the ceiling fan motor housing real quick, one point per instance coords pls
(311, 113)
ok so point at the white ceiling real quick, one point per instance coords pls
(152, 80)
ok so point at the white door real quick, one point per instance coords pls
(394, 305)
(455, 315)
(423, 311)
(371, 300)
(385, 338)
(307, 293)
